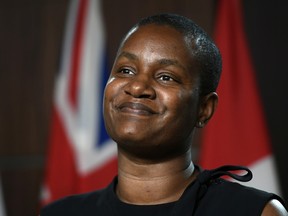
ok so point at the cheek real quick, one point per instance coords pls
(111, 90)
(181, 107)
(110, 94)
(176, 101)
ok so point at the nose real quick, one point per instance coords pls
(140, 86)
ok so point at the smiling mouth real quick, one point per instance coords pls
(136, 108)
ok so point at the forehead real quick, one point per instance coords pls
(161, 33)
(160, 41)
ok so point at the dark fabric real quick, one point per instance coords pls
(207, 195)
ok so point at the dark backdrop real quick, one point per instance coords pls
(30, 41)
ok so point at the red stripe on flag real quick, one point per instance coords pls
(237, 133)
(60, 161)
(76, 53)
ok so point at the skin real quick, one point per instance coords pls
(274, 208)
(153, 98)
(151, 108)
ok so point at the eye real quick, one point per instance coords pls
(166, 78)
(125, 72)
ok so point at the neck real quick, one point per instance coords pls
(142, 182)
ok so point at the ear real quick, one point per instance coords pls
(207, 107)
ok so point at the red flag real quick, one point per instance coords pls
(81, 157)
(237, 134)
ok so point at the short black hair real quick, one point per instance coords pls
(203, 48)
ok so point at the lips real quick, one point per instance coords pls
(136, 108)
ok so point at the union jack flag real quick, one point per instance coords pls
(81, 157)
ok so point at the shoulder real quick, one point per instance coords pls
(239, 192)
(236, 199)
(74, 205)
(274, 207)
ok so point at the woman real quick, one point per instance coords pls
(162, 86)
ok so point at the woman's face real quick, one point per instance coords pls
(152, 96)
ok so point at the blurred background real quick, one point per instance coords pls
(31, 35)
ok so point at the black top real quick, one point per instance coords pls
(207, 195)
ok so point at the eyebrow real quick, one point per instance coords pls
(168, 62)
(128, 55)
(163, 61)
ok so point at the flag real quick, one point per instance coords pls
(81, 157)
(237, 134)
(2, 204)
